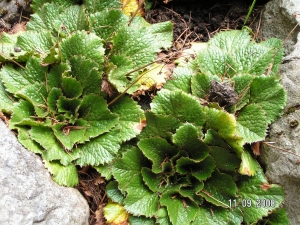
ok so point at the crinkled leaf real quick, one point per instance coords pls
(106, 22)
(44, 17)
(187, 138)
(269, 94)
(99, 119)
(9, 50)
(225, 160)
(36, 4)
(231, 41)
(22, 110)
(140, 220)
(180, 211)
(201, 170)
(253, 59)
(162, 217)
(38, 42)
(212, 61)
(278, 52)
(71, 20)
(251, 123)
(279, 217)
(137, 44)
(100, 150)
(114, 193)
(181, 80)
(159, 125)
(67, 135)
(131, 119)
(265, 197)
(242, 88)
(157, 150)
(27, 142)
(71, 87)
(6, 101)
(127, 171)
(162, 33)
(200, 84)
(52, 99)
(212, 138)
(114, 213)
(82, 43)
(180, 105)
(68, 105)
(53, 150)
(54, 78)
(219, 189)
(100, 5)
(152, 180)
(13, 80)
(88, 73)
(63, 175)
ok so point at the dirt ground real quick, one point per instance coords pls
(194, 21)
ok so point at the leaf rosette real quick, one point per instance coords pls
(57, 101)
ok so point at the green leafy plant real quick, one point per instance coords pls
(192, 163)
(71, 62)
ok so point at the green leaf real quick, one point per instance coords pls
(82, 43)
(63, 175)
(54, 79)
(188, 139)
(22, 110)
(181, 81)
(251, 123)
(265, 197)
(269, 94)
(180, 105)
(71, 87)
(201, 170)
(6, 101)
(67, 105)
(157, 150)
(219, 189)
(200, 84)
(100, 150)
(9, 50)
(212, 61)
(224, 159)
(162, 216)
(152, 180)
(70, 20)
(162, 34)
(158, 125)
(127, 171)
(107, 22)
(38, 42)
(44, 17)
(180, 210)
(100, 5)
(53, 150)
(88, 73)
(114, 193)
(131, 119)
(213, 215)
(278, 53)
(242, 88)
(54, 95)
(13, 80)
(141, 220)
(27, 142)
(279, 217)
(231, 41)
(36, 4)
(248, 165)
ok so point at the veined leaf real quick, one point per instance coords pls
(181, 81)
(63, 175)
(100, 5)
(114, 213)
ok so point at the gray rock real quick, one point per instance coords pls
(283, 167)
(28, 194)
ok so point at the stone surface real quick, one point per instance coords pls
(28, 194)
(283, 167)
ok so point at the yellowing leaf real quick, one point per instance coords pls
(133, 7)
(115, 214)
(155, 77)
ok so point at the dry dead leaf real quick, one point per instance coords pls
(256, 148)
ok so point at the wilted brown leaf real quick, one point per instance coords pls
(265, 186)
